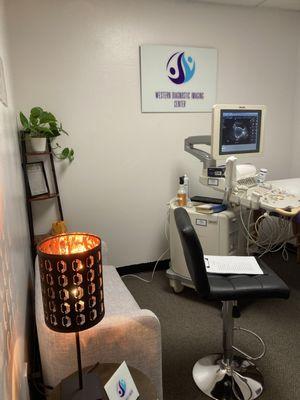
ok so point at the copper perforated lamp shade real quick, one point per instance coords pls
(72, 291)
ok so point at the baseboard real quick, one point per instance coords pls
(144, 267)
(291, 247)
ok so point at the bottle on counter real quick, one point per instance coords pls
(181, 194)
(186, 183)
(262, 176)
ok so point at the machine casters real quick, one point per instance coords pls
(176, 286)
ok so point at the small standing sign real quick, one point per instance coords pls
(121, 385)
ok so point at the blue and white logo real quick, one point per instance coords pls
(121, 388)
(180, 68)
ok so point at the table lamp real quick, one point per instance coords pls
(72, 291)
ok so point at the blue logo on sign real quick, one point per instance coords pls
(121, 388)
(180, 68)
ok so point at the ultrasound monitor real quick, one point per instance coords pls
(237, 130)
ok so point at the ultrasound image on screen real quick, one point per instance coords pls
(239, 131)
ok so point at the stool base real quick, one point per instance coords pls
(239, 381)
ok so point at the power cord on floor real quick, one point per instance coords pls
(167, 221)
(153, 271)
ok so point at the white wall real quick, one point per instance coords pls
(295, 168)
(14, 248)
(80, 59)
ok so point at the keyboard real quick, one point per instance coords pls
(249, 181)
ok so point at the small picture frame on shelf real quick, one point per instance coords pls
(37, 179)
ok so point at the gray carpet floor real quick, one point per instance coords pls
(192, 328)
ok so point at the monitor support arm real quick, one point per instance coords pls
(202, 155)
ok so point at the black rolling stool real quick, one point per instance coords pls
(226, 376)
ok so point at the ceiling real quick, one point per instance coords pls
(291, 5)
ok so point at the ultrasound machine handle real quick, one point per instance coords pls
(230, 177)
(204, 156)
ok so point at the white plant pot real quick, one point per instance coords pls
(38, 144)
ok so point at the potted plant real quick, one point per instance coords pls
(40, 126)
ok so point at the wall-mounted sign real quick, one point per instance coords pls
(178, 79)
(3, 94)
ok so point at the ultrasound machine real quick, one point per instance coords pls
(237, 133)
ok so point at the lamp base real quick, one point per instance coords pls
(92, 387)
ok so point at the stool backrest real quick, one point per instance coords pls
(192, 250)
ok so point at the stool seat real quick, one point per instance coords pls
(236, 287)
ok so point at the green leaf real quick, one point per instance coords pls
(47, 118)
(65, 152)
(24, 121)
(45, 131)
(33, 120)
(36, 112)
(53, 126)
(44, 118)
(71, 155)
(55, 132)
(51, 117)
